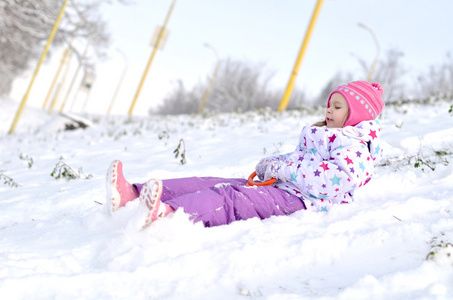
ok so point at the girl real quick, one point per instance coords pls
(333, 158)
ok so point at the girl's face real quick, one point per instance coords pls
(337, 112)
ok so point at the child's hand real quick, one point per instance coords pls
(272, 169)
(261, 168)
(266, 168)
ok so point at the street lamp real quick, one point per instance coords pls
(211, 81)
(159, 37)
(43, 55)
(303, 48)
(74, 78)
(126, 63)
(378, 51)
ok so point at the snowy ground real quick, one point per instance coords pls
(58, 242)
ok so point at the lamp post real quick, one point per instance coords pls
(303, 48)
(150, 60)
(378, 51)
(43, 55)
(59, 89)
(65, 59)
(212, 80)
(74, 78)
(118, 86)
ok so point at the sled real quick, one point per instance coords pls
(251, 182)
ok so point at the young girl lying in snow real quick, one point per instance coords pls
(334, 158)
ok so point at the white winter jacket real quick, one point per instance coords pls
(329, 164)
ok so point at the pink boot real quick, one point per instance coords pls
(150, 196)
(119, 191)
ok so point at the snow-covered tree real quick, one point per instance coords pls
(25, 26)
(438, 81)
(239, 86)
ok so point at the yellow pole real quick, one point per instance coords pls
(59, 88)
(120, 82)
(156, 46)
(64, 59)
(74, 78)
(303, 48)
(43, 55)
(211, 81)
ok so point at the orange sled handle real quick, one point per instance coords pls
(250, 181)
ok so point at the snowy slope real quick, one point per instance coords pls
(58, 242)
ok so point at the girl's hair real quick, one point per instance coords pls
(320, 123)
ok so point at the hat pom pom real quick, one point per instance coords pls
(378, 88)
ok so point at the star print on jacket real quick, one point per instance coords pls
(329, 164)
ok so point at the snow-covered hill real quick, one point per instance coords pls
(57, 240)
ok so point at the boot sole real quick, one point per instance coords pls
(113, 196)
(150, 196)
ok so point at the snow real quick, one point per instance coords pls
(59, 242)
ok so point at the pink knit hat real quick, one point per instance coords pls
(364, 100)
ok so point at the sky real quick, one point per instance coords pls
(264, 32)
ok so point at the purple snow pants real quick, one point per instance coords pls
(220, 201)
